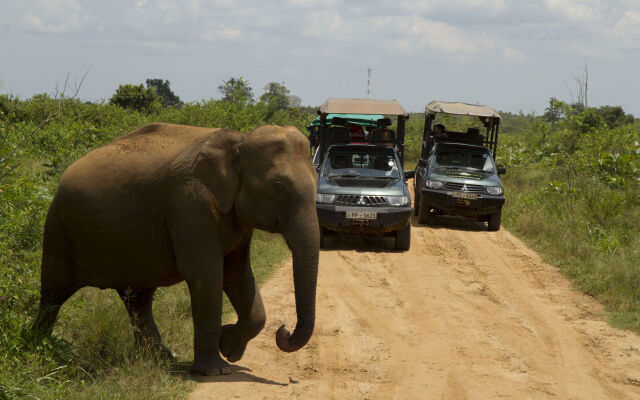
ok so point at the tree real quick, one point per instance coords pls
(236, 90)
(615, 116)
(554, 112)
(295, 101)
(276, 96)
(136, 97)
(167, 97)
(581, 101)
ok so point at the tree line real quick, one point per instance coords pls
(158, 93)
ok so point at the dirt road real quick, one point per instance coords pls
(465, 314)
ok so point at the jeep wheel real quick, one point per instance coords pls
(323, 231)
(494, 221)
(424, 213)
(403, 238)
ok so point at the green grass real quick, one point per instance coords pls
(580, 213)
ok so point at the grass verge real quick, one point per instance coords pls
(586, 228)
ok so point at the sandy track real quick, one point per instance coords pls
(465, 314)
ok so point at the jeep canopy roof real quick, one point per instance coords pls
(460, 109)
(357, 119)
(336, 105)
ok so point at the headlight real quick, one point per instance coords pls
(433, 184)
(494, 190)
(325, 198)
(397, 200)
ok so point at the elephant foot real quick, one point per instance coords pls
(164, 353)
(232, 346)
(155, 350)
(210, 367)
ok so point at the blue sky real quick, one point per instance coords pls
(512, 55)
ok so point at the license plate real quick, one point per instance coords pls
(361, 215)
(464, 195)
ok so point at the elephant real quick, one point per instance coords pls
(169, 203)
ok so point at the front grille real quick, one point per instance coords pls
(459, 186)
(361, 200)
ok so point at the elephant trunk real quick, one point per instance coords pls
(304, 241)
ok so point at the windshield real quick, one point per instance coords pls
(474, 158)
(361, 165)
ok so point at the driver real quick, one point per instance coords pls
(439, 132)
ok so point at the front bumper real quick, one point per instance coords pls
(445, 203)
(388, 219)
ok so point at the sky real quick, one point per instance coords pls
(511, 55)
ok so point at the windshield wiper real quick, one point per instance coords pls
(343, 176)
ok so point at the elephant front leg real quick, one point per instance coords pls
(206, 305)
(242, 291)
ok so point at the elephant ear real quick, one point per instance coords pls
(215, 166)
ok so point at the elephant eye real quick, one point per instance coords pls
(279, 186)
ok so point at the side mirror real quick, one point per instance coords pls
(502, 170)
(409, 174)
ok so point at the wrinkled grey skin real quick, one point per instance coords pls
(168, 203)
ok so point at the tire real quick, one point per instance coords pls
(322, 238)
(403, 238)
(424, 213)
(416, 203)
(494, 221)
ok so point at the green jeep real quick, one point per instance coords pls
(361, 182)
(456, 173)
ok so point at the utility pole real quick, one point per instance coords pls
(368, 82)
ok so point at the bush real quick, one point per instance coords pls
(136, 97)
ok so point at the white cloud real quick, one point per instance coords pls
(322, 23)
(230, 32)
(62, 16)
(628, 27)
(441, 36)
(577, 10)
(314, 3)
(513, 54)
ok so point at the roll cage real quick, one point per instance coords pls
(489, 118)
(334, 130)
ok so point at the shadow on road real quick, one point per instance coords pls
(238, 374)
(451, 222)
(334, 241)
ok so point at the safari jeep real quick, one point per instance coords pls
(361, 182)
(456, 173)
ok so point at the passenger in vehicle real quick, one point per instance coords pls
(439, 132)
(444, 159)
(383, 134)
(339, 162)
(382, 163)
(357, 134)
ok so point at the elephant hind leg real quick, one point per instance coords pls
(50, 303)
(57, 274)
(138, 303)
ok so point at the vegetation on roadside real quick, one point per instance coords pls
(573, 189)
